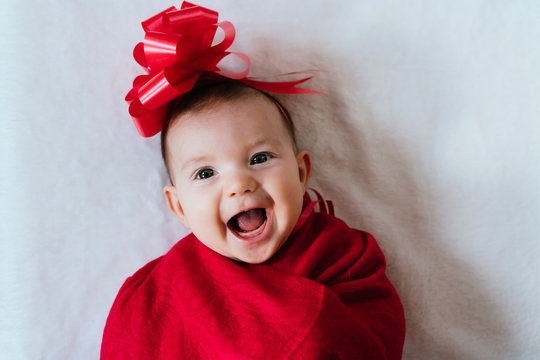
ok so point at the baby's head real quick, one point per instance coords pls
(237, 178)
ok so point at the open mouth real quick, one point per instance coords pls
(248, 224)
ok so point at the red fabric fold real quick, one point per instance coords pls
(324, 295)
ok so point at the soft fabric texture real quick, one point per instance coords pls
(323, 295)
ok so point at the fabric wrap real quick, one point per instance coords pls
(323, 295)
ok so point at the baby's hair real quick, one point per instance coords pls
(214, 93)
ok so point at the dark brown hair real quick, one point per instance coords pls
(213, 93)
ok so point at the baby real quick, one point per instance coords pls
(238, 178)
(262, 275)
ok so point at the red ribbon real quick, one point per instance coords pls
(177, 49)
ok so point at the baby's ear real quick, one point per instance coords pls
(174, 204)
(304, 167)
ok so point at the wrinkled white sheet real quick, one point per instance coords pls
(428, 138)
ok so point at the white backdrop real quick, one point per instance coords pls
(428, 138)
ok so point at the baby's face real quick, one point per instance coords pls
(239, 184)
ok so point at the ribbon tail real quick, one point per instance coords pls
(282, 87)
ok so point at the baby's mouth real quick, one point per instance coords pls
(248, 224)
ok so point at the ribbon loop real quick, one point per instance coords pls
(155, 22)
(177, 49)
(162, 49)
(230, 33)
(189, 20)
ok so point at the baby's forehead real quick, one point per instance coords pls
(252, 108)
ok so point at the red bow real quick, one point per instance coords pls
(176, 50)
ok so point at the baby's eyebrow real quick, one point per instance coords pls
(194, 160)
(265, 141)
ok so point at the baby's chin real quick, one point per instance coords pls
(254, 259)
(258, 255)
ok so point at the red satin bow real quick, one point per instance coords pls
(176, 50)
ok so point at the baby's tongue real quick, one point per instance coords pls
(250, 220)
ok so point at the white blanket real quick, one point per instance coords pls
(428, 138)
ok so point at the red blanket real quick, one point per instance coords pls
(324, 295)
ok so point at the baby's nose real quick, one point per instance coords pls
(239, 184)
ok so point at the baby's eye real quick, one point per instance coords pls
(260, 158)
(204, 174)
